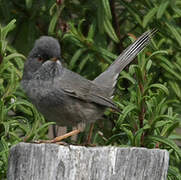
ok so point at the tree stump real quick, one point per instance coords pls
(54, 162)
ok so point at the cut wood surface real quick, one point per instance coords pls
(54, 162)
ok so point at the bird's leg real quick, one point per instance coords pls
(60, 138)
(72, 133)
(88, 141)
(54, 130)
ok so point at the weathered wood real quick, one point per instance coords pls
(55, 162)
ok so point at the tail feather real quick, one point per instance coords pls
(108, 78)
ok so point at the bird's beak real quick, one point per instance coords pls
(54, 59)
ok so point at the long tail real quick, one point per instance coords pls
(109, 77)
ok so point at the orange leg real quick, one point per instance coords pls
(60, 138)
(90, 134)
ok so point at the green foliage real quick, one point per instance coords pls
(18, 118)
(92, 33)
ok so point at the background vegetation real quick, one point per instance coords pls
(92, 33)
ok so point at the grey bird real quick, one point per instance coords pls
(64, 96)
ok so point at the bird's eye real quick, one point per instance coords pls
(40, 58)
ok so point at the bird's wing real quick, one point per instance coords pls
(76, 86)
(109, 77)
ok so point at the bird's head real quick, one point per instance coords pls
(45, 49)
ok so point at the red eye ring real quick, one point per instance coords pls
(40, 59)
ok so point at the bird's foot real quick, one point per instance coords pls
(88, 145)
(88, 140)
(50, 141)
(58, 140)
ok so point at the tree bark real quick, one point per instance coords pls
(54, 162)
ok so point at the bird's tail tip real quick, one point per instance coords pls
(152, 32)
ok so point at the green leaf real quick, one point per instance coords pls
(178, 66)
(149, 16)
(148, 65)
(73, 40)
(167, 68)
(92, 30)
(80, 26)
(139, 73)
(14, 135)
(160, 86)
(174, 136)
(24, 109)
(158, 52)
(109, 29)
(141, 61)
(174, 172)
(161, 123)
(76, 57)
(167, 130)
(125, 75)
(132, 11)
(14, 55)
(106, 53)
(166, 61)
(129, 134)
(114, 137)
(83, 63)
(53, 23)
(175, 33)
(138, 134)
(28, 4)
(52, 9)
(176, 8)
(46, 125)
(176, 88)
(125, 112)
(107, 9)
(105, 59)
(3, 33)
(9, 27)
(165, 141)
(100, 16)
(4, 145)
(73, 30)
(162, 8)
